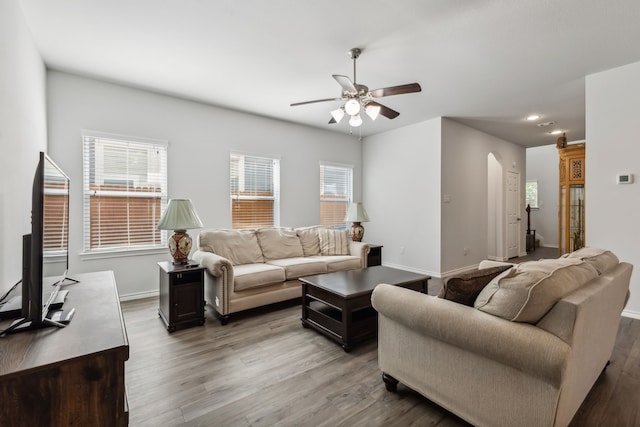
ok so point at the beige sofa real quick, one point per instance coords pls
(252, 268)
(526, 354)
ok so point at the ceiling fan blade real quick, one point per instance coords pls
(315, 100)
(346, 83)
(396, 90)
(385, 111)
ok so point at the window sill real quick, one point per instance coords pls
(119, 253)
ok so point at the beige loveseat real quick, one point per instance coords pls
(252, 268)
(526, 354)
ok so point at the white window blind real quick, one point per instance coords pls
(336, 189)
(255, 191)
(125, 192)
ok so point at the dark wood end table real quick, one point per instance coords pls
(338, 304)
(181, 294)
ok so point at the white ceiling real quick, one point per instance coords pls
(485, 63)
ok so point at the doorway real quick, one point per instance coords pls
(503, 227)
(513, 214)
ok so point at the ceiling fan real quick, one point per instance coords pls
(358, 97)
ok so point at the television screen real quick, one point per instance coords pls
(55, 220)
(49, 236)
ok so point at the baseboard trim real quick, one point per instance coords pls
(459, 270)
(139, 295)
(631, 314)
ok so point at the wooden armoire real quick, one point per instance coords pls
(571, 205)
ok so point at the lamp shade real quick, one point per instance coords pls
(356, 213)
(179, 215)
(372, 111)
(355, 121)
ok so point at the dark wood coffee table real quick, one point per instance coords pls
(338, 304)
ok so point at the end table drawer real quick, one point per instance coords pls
(187, 277)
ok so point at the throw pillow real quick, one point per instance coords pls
(601, 259)
(529, 290)
(309, 239)
(333, 242)
(464, 288)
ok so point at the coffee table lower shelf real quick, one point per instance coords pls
(338, 305)
(343, 325)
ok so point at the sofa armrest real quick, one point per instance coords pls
(519, 345)
(217, 265)
(361, 250)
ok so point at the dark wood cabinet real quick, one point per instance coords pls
(375, 255)
(72, 375)
(181, 295)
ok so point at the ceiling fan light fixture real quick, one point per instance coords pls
(372, 111)
(337, 114)
(355, 121)
(352, 107)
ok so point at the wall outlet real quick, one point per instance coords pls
(465, 251)
(401, 250)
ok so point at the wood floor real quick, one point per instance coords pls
(265, 369)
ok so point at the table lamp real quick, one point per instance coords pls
(179, 216)
(356, 214)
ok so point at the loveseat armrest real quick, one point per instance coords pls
(361, 250)
(522, 346)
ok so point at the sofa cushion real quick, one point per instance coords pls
(526, 292)
(464, 288)
(279, 243)
(309, 239)
(601, 259)
(238, 246)
(340, 262)
(333, 242)
(298, 267)
(247, 276)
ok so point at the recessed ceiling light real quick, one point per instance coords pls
(533, 117)
(546, 124)
(556, 132)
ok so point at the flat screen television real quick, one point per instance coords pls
(49, 233)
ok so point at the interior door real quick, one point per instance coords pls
(513, 214)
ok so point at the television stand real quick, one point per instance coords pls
(74, 375)
(57, 317)
(12, 308)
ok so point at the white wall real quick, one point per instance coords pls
(23, 133)
(542, 166)
(407, 174)
(464, 185)
(200, 139)
(401, 188)
(613, 146)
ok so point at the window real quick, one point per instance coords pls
(125, 192)
(255, 191)
(336, 188)
(532, 194)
